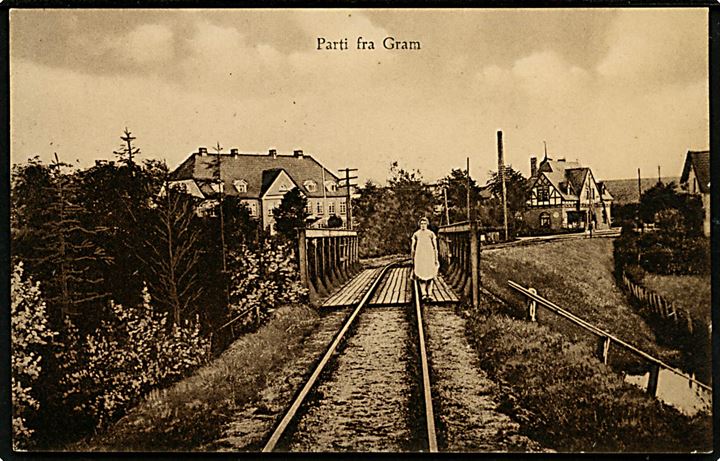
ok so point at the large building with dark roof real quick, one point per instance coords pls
(262, 180)
(565, 195)
(695, 179)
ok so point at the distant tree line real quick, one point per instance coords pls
(120, 286)
(387, 216)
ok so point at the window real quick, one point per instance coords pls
(270, 210)
(283, 187)
(310, 185)
(331, 208)
(240, 185)
(319, 208)
(543, 193)
(253, 208)
(330, 186)
(545, 220)
(308, 207)
(343, 210)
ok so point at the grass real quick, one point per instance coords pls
(193, 412)
(566, 399)
(576, 275)
(691, 292)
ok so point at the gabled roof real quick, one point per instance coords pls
(700, 163)
(556, 171)
(576, 178)
(270, 176)
(251, 168)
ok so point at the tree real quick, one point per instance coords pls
(387, 217)
(290, 214)
(53, 237)
(172, 254)
(656, 201)
(334, 221)
(515, 193)
(456, 186)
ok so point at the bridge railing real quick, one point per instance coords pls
(327, 258)
(606, 339)
(459, 253)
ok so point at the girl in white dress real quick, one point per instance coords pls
(425, 257)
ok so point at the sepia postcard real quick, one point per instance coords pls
(360, 230)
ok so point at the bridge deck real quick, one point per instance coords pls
(353, 290)
(395, 289)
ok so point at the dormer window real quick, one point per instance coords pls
(217, 187)
(330, 186)
(310, 185)
(240, 185)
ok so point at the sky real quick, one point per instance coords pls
(616, 89)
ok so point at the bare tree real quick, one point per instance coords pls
(174, 253)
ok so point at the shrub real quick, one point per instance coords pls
(30, 335)
(264, 279)
(127, 357)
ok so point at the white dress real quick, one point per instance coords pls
(425, 244)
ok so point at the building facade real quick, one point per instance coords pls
(695, 179)
(564, 195)
(261, 181)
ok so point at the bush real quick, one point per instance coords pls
(30, 335)
(568, 400)
(127, 357)
(264, 279)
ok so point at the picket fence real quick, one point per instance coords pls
(651, 302)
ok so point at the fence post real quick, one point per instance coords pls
(532, 306)
(604, 349)
(302, 257)
(653, 379)
(474, 266)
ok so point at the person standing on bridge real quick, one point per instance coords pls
(425, 257)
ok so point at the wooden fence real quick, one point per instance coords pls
(327, 258)
(655, 304)
(459, 253)
(606, 339)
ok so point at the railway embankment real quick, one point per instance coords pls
(232, 403)
(549, 378)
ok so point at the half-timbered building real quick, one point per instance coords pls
(565, 195)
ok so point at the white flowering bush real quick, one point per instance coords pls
(30, 333)
(127, 357)
(265, 279)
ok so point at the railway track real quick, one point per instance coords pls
(285, 431)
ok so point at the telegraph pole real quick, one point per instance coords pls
(501, 172)
(348, 198)
(468, 189)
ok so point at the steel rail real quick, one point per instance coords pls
(285, 422)
(427, 395)
(602, 333)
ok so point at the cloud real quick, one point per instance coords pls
(657, 46)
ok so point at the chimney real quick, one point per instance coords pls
(233, 152)
(298, 153)
(202, 150)
(272, 153)
(533, 166)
